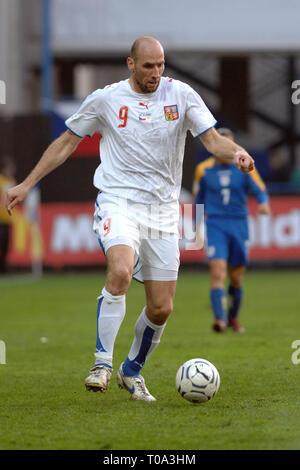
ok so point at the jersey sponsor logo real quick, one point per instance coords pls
(145, 117)
(171, 112)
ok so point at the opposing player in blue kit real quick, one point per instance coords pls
(223, 190)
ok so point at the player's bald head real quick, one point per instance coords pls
(144, 45)
(146, 64)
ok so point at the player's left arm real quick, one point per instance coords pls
(258, 189)
(225, 148)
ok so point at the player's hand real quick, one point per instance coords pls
(14, 196)
(263, 209)
(243, 161)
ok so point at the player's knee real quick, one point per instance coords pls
(159, 312)
(119, 279)
(237, 277)
(218, 275)
(236, 281)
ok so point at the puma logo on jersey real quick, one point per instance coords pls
(146, 116)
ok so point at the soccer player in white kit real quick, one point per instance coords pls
(143, 122)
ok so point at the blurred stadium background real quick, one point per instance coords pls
(243, 59)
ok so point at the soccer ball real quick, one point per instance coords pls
(197, 380)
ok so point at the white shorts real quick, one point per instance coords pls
(118, 221)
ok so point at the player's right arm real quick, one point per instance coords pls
(57, 152)
(220, 146)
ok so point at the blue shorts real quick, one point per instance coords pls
(227, 238)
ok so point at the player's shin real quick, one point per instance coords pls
(147, 338)
(110, 313)
(235, 295)
(217, 297)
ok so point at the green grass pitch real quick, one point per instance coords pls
(44, 404)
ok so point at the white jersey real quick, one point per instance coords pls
(143, 137)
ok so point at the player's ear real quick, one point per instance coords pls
(130, 64)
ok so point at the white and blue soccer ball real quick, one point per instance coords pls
(197, 380)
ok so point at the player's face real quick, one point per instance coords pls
(147, 68)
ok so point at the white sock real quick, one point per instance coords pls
(147, 338)
(110, 313)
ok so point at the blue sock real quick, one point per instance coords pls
(235, 298)
(217, 297)
(146, 339)
(133, 367)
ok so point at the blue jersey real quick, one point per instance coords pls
(223, 189)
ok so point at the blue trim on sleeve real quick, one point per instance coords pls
(206, 130)
(73, 131)
(88, 135)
